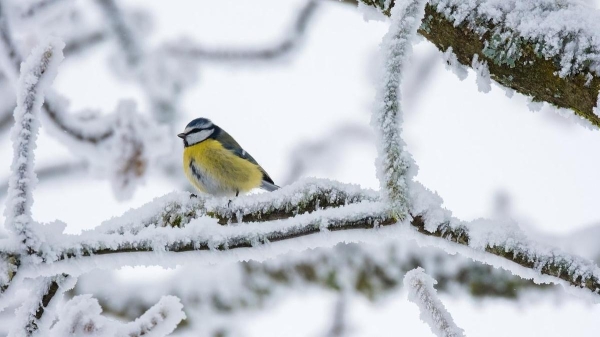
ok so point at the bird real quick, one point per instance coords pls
(216, 164)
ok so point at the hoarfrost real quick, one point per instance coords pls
(567, 30)
(81, 316)
(37, 73)
(452, 64)
(484, 83)
(421, 292)
(395, 167)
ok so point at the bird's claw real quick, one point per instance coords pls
(192, 195)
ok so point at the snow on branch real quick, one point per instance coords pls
(195, 51)
(373, 271)
(394, 163)
(433, 312)
(176, 223)
(81, 316)
(30, 315)
(555, 42)
(37, 73)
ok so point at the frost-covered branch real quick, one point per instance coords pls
(37, 73)
(81, 316)
(177, 223)
(128, 42)
(433, 312)
(291, 41)
(394, 163)
(43, 291)
(372, 271)
(546, 49)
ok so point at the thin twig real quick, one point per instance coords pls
(230, 54)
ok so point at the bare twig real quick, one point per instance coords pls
(52, 171)
(260, 54)
(307, 152)
(122, 32)
(9, 50)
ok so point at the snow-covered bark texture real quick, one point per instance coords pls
(546, 49)
(37, 73)
(566, 29)
(81, 316)
(421, 292)
(395, 167)
(178, 223)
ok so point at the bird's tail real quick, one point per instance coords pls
(268, 186)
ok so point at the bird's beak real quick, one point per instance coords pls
(181, 135)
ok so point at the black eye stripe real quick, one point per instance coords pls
(196, 131)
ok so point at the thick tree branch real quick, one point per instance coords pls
(518, 62)
(121, 235)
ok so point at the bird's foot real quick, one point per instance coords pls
(192, 195)
(229, 203)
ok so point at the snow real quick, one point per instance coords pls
(421, 292)
(37, 73)
(484, 83)
(158, 321)
(566, 30)
(81, 316)
(395, 167)
(453, 65)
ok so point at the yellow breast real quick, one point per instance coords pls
(215, 170)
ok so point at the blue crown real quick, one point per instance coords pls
(199, 123)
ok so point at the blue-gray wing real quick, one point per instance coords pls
(230, 144)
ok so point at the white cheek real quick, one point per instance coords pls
(198, 136)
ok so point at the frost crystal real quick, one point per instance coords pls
(421, 292)
(452, 64)
(81, 316)
(393, 163)
(566, 30)
(484, 83)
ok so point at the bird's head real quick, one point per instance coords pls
(197, 131)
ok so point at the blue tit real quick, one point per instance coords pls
(216, 164)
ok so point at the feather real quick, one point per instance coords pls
(230, 144)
